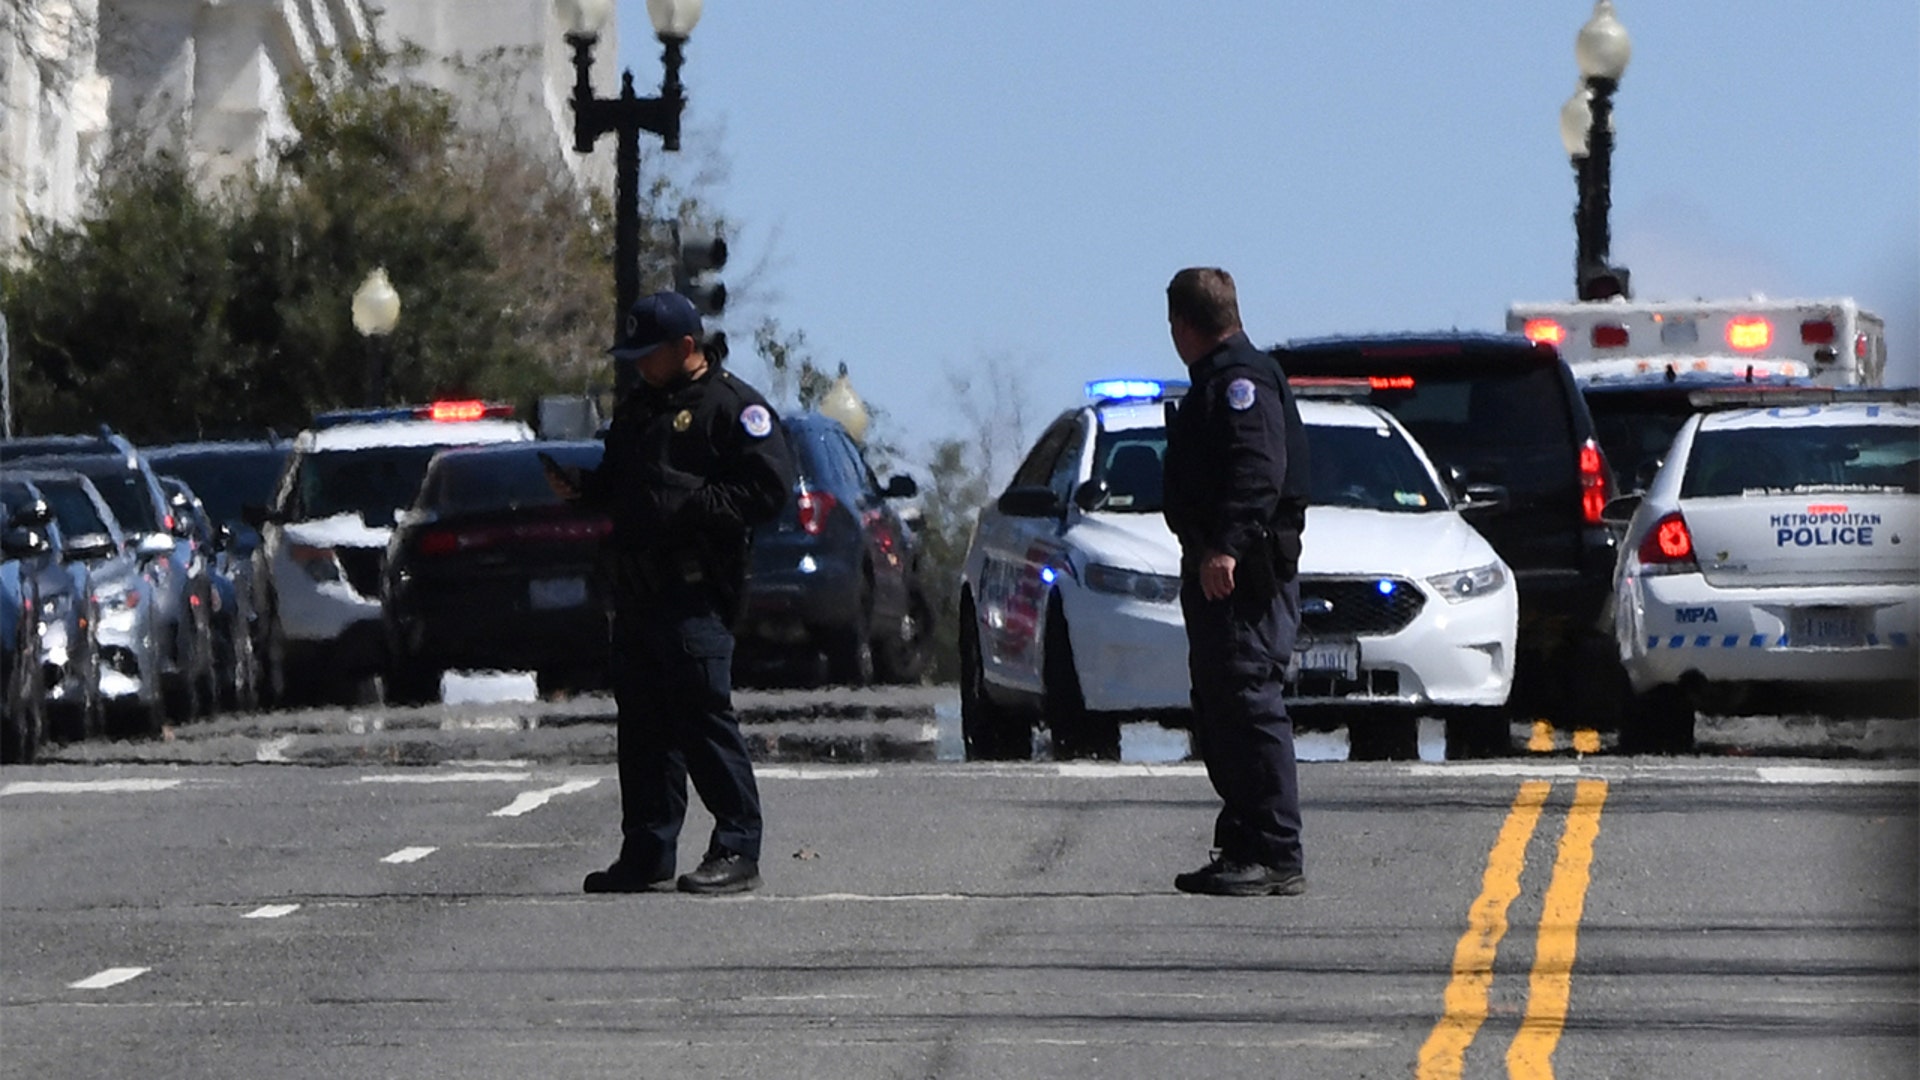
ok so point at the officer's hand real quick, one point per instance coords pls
(1216, 576)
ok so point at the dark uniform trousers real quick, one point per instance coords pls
(673, 683)
(1237, 655)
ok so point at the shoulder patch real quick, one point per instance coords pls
(1240, 394)
(757, 421)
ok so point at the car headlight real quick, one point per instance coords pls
(1111, 579)
(1461, 585)
(319, 563)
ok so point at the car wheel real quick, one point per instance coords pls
(988, 730)
(1077, 733)
(411, 682)
(136, 719)
(243, 688)
(903, 656)
(1387, 736)
(1478, 733)
(1659, 721)
(182, 697)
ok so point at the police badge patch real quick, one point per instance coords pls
(1240, 394)
(757, 420)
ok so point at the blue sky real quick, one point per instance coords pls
(928, 187)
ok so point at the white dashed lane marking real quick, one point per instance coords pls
(528, 801)
(109, 977)
(409, 854)
(63, 787)
(271, 911)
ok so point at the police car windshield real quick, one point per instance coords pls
(1367, 468)
(1130, 463)
(373, 483)
(1741, 461)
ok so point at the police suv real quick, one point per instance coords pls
(324, 537)
(1771, 566)
(1070, 592)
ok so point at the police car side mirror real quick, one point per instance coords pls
(1030, 502)
(901, 487)
(1619, 511)
(1092, 495)
(1482, 500)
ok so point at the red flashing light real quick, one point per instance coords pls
(1749, 333)
(812, 508)
(1817, 332)
(1668, 542)
(1609, 336)
(457, 410)
(1595, 489)
(1544, 331)
(1860, 346)
(1390, 382)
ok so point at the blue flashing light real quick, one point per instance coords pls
(1047, 574)
(1385, 586)
(1127, 389)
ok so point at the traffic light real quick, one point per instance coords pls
(698, 253)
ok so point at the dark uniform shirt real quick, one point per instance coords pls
(1236, 465)
(690, 468)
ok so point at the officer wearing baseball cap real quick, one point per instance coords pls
(695, 458)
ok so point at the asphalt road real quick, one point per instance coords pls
(1571, 916)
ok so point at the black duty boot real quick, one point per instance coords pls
(1227, 877)
(723, 872)
(620, 878)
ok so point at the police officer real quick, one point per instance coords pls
(694, 459)
(1236, 482)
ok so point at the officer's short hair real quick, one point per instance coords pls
(1204, 298)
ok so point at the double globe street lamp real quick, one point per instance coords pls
(626, 116)
(1602, 50)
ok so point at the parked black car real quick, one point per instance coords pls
(69, 657)
(1501, 414)
(236, 666)
(229, 476)
(490, 570)
(835, 580)
(128, 483)
(23, 688)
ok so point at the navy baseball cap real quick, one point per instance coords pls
(653, 320)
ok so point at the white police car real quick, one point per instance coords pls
(1070, 593)
(323, 539)
(1772, 566)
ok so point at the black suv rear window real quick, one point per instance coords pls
(499, 480)
(1459, 410)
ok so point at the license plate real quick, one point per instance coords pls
(546, 593)
(1830, 628)
(1333, 657)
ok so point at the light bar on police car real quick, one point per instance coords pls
(1131, 389)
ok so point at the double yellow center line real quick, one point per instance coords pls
(1530, 1056)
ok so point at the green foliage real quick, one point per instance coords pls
(174, 309)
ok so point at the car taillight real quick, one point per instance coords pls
(438, 542)
(1816, 332)
(812, 508)
(1595, 488)
(1669, 545)
(435, 542)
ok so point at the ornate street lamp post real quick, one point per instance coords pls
(1586, 129)
(376, 311)
(626, 116)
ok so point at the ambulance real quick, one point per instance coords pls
(1822, 342)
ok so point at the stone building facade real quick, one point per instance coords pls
(210, 75)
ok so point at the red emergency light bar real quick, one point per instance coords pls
(1609, 336)
(1817, 332)
(466, 410)
(1547, 331)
